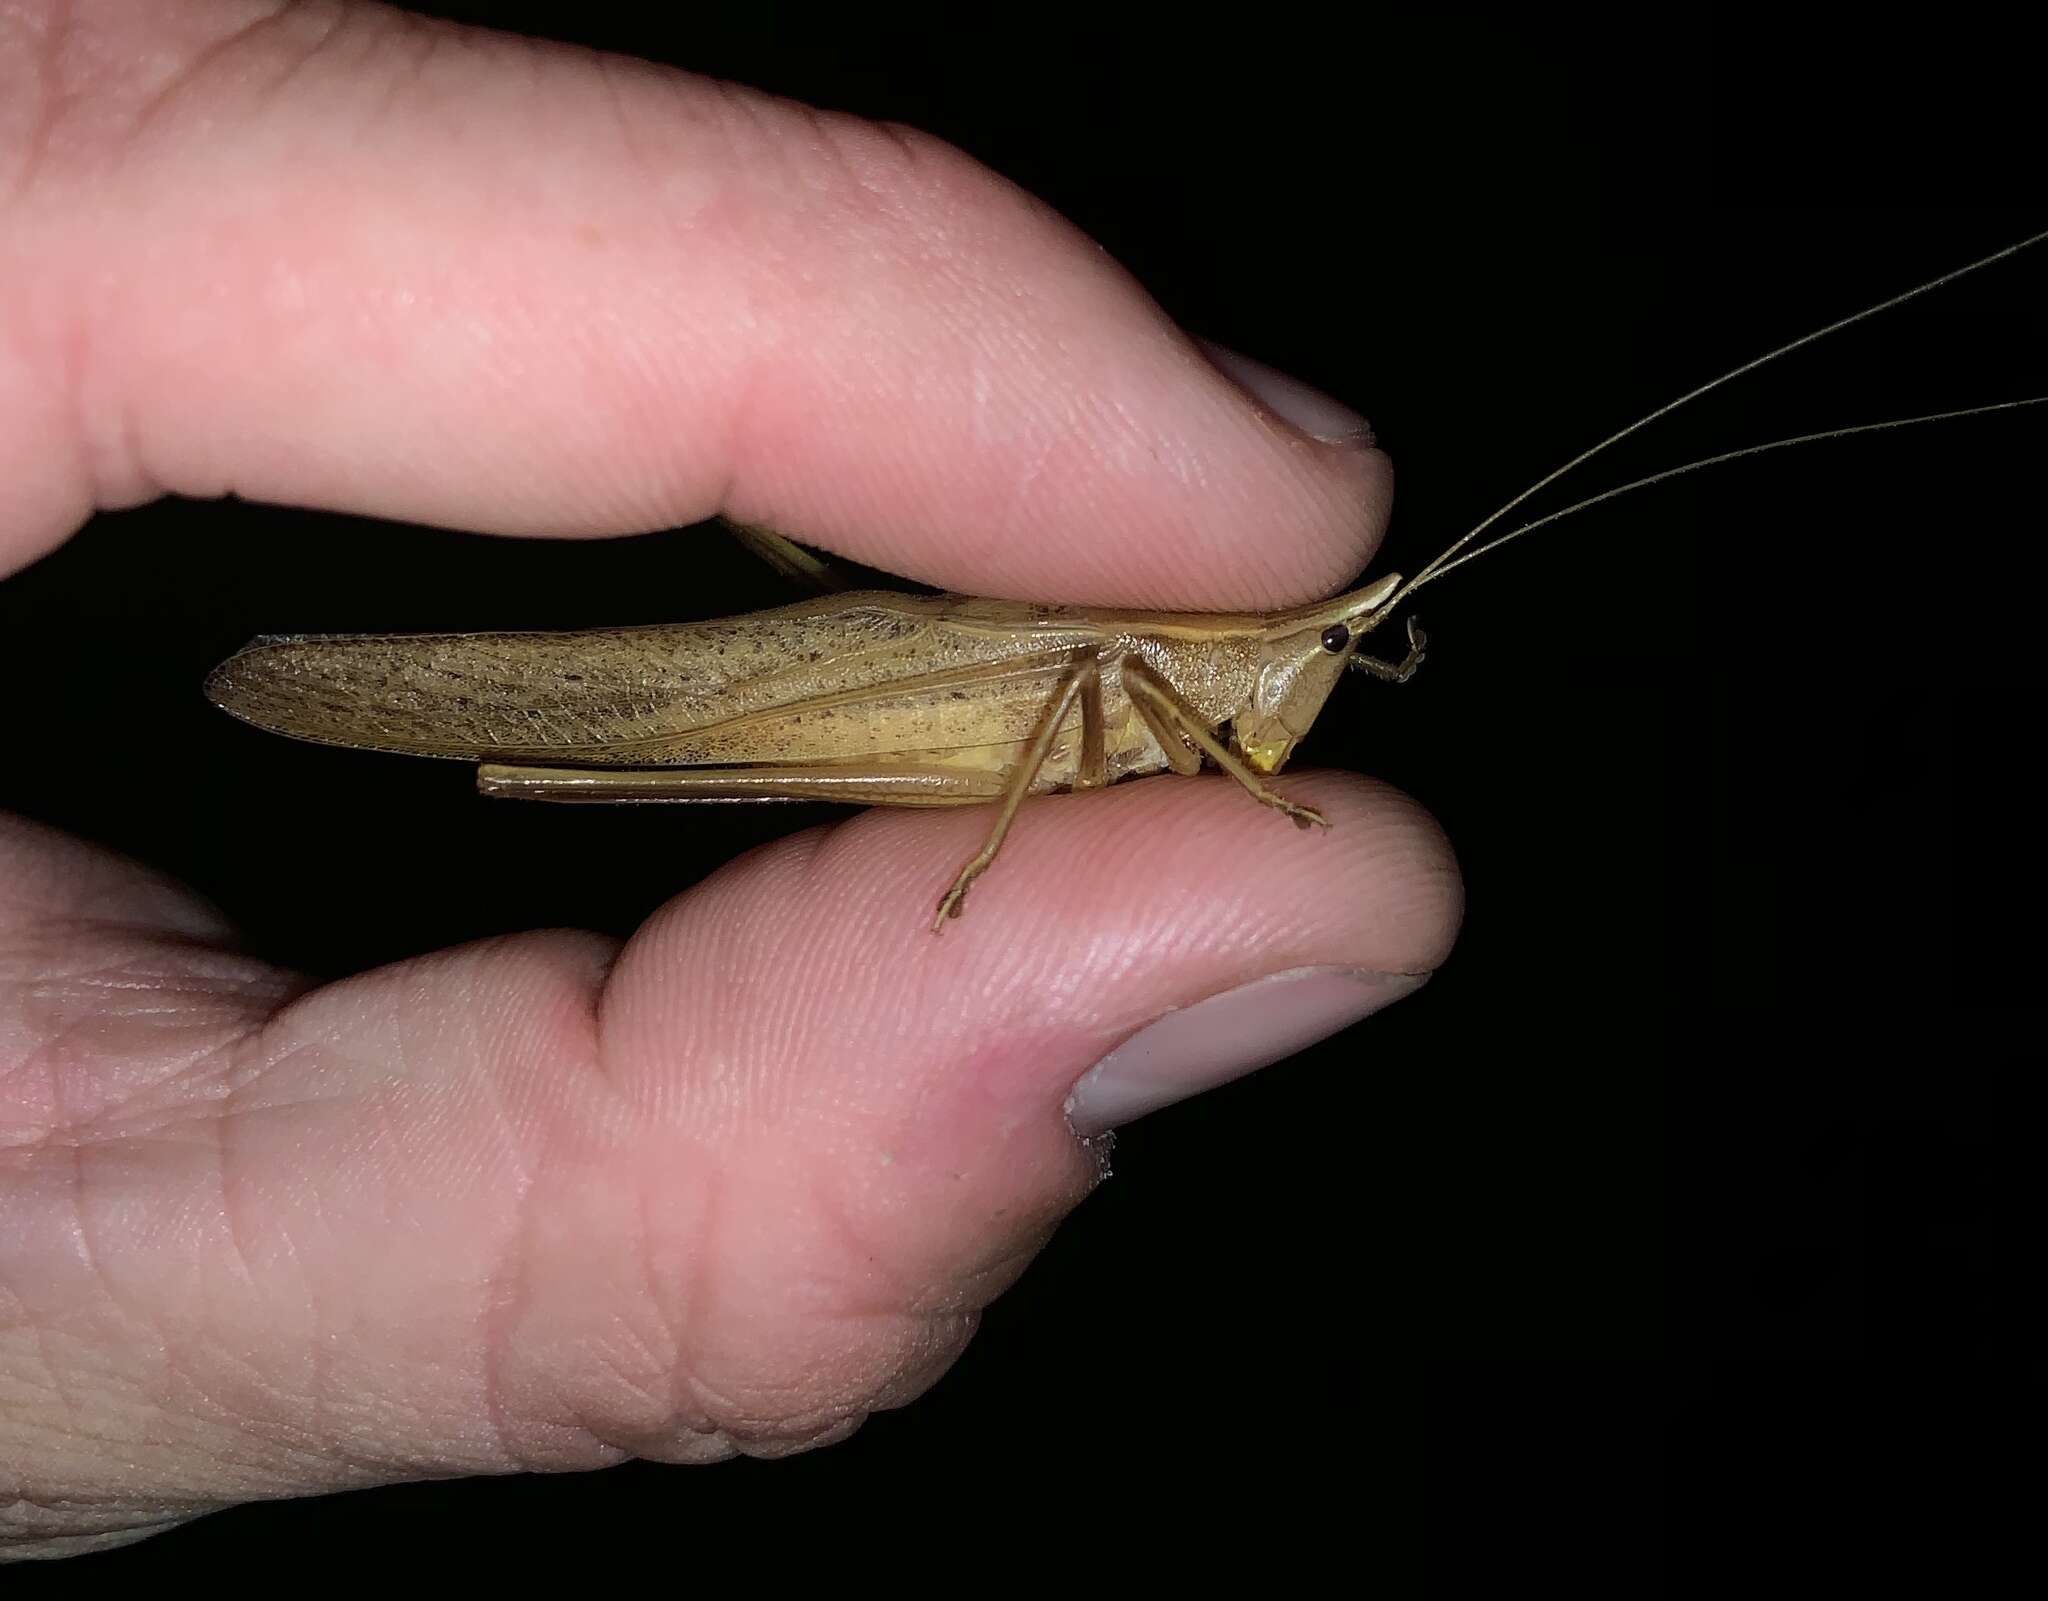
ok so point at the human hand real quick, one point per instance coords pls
(545, 1202)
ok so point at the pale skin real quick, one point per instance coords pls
(541, 1105)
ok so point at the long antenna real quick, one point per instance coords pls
(1443, 562)
(1439, 568)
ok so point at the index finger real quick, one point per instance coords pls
(539, 291)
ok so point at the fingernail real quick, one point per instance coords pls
(1291, 400)
(1227, 1036)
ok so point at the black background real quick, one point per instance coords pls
(1703, 1159)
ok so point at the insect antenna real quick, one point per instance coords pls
(1444, 561)
(1439, 567)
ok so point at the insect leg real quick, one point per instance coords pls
(1083, 683)
(1092, 771)
(1158, 704)
(1395, 672)
(1181, 755)
(800, 566)
(855, 786)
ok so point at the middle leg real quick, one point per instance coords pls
(1162, 708)
(1082, 683)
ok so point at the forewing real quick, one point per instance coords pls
(798, 679)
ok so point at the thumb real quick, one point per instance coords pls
(543, 1204)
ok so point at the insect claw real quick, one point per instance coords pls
(1396, 672)
(954, 900)
(1304, 816)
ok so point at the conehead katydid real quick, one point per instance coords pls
(886, 699)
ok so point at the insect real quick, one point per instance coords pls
(880, 698)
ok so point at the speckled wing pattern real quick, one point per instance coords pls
(831, 679)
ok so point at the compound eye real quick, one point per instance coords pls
(1336, 637)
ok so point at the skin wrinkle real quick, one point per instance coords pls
(108, 458)
(159, 101)
(654, 1384)
(178, 1073)
(606, 71)
(133, 1525)
(695, 1308)
(416, 41)
(232, 1210)
(336, 17)
(1054, 415)
(507, 1291)
(753, 110)
(767, 1428)
(187, 1394)
(522, 1261)
(966, 1291)
(86, 454)
(51, 96)
(1013, 518)
(819, 163)
(317, 1394)
(171, 1392)
(617, 1438)
(943, 1338)
(670, 1362)
(793, 1014)
(510, 1148)
(912, 149)
(155, 958)
(95, 1270)
(740, 424)
(905, 234)
(45, 1333)
(834, 1214)
(158, 1373)
(493, 1324)
(748, 1417)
